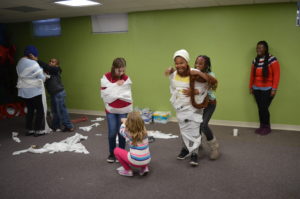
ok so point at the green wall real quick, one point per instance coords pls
(227, 34)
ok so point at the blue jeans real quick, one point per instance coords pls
(114, 123)
(59, 111)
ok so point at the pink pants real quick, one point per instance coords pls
(122, 156)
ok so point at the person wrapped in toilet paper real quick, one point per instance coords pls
(31, 89)
(117, 97)
(183, 99)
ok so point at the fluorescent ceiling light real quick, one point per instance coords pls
(78, 3)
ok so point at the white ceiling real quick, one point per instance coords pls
(44, 9)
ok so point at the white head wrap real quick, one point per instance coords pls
(182, 53)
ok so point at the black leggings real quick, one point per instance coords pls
(35, 108)
(207, 113)
(263, 101)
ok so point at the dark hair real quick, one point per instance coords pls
(207, 63)
(266, 60)
(117, 63)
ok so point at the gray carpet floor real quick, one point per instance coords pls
(251, 166)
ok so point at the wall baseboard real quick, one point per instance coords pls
(254, 125)
(212, 122)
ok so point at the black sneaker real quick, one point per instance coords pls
(194, 159)
(39, 133)
(111, 158)
(30, 132)
(183, 154)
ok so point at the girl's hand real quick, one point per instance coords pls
(187, 92)
(251, 91)
(120, 82)
(123, 120)
(169, 71)
(273, 93)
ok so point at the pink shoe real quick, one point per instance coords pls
(144, 171)
(265, 129)
(125, 172)
(259, 130)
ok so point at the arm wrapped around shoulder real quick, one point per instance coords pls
(212, 82)
(204, 103)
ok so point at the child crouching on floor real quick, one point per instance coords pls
(133, 130)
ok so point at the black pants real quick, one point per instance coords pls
(207, 113)
(35, 109)
(263, 101)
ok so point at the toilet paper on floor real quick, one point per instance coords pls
(70, 144)
(158, 134)
(98, 119)
(15, 137)
(88, 128)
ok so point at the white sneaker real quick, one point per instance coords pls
(126, 173)
(144, 171)
(121, 168)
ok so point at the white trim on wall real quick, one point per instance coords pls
(213, 122)
(254, 125)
